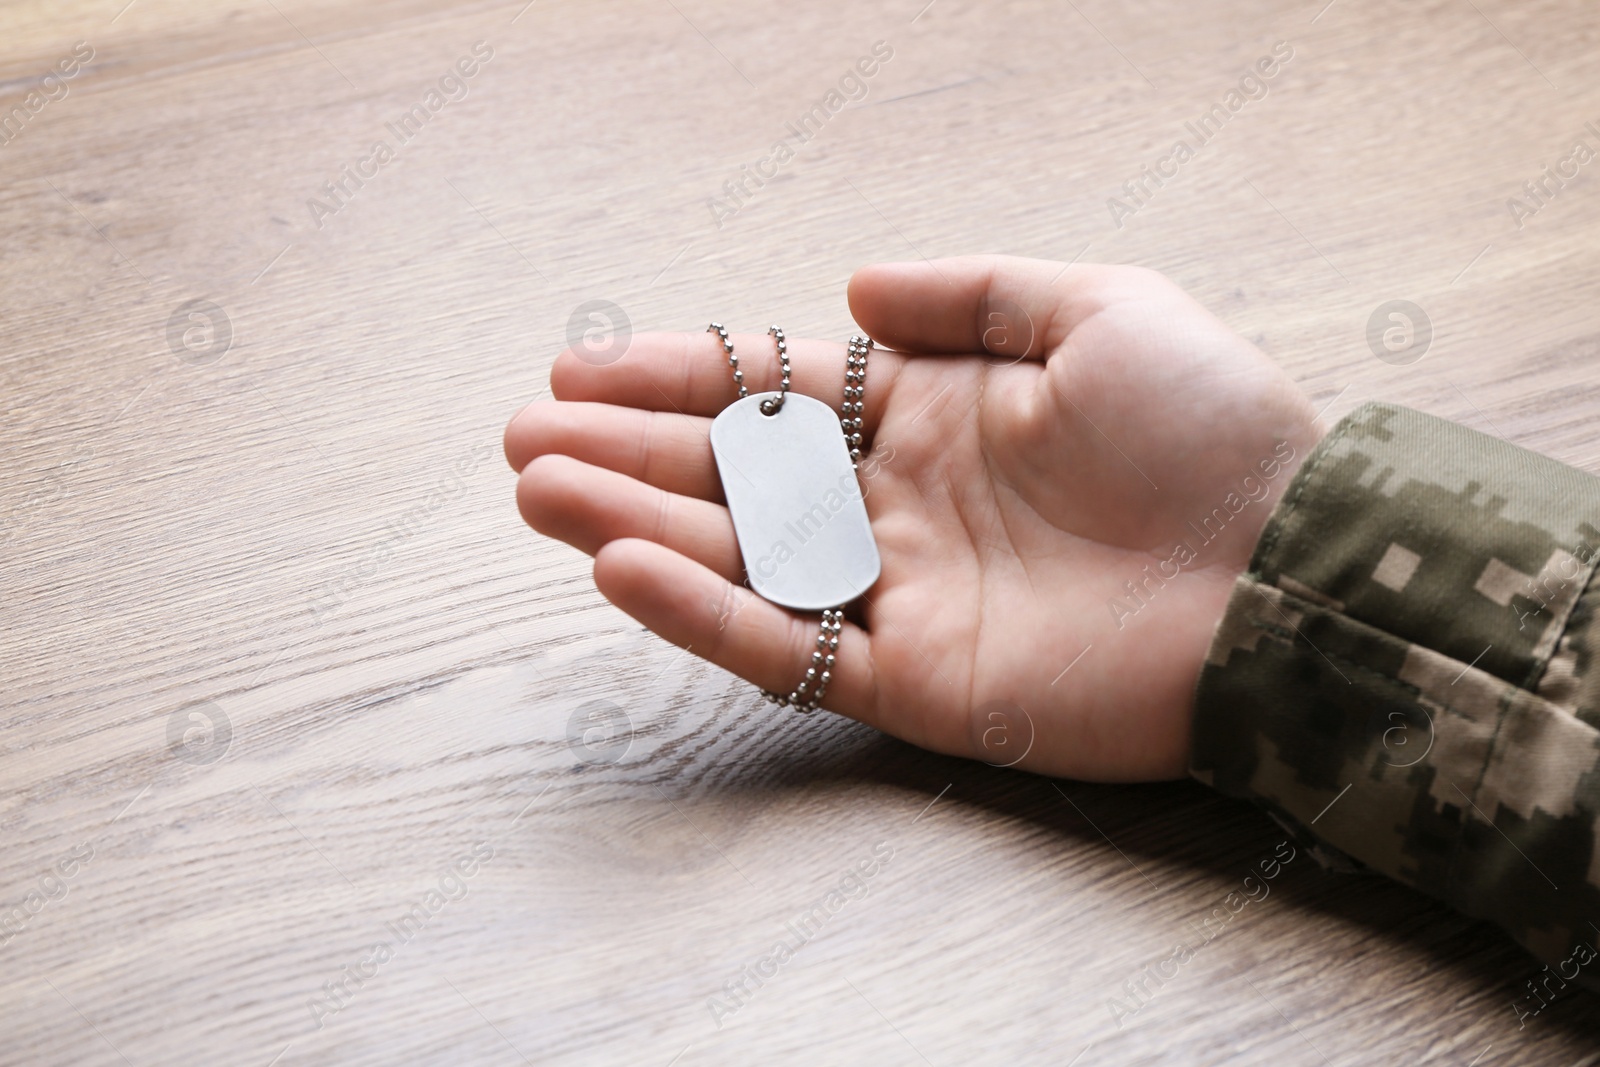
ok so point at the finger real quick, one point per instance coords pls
(588, 506)
(730, 626)
(663, 449)
(688, 373)
(1004, 305)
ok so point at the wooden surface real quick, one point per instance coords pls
(171, 526)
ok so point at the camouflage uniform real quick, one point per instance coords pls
(1406, 677)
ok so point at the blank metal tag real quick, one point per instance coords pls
(797, 507)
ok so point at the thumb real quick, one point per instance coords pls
(1005, 305)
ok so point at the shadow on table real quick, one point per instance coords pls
(1183, 824)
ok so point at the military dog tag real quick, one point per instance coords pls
(797, 507)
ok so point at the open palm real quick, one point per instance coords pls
(1043, 441)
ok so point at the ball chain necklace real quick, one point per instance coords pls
(790, 480)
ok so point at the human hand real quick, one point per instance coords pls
(1042, 435)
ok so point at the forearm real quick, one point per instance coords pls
(1405, 674)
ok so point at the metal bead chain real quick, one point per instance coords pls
(809, 693)
(772, 407)
(733, 360)
(855, 388)
(768, 407)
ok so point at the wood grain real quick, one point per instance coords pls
(171, 527)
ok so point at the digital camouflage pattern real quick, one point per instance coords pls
(1406, 675)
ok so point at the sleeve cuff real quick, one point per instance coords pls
(1404, 676)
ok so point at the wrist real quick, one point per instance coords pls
(1272, 481)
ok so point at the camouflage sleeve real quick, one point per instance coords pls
(1406, 677)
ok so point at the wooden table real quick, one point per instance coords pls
(290, 692)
